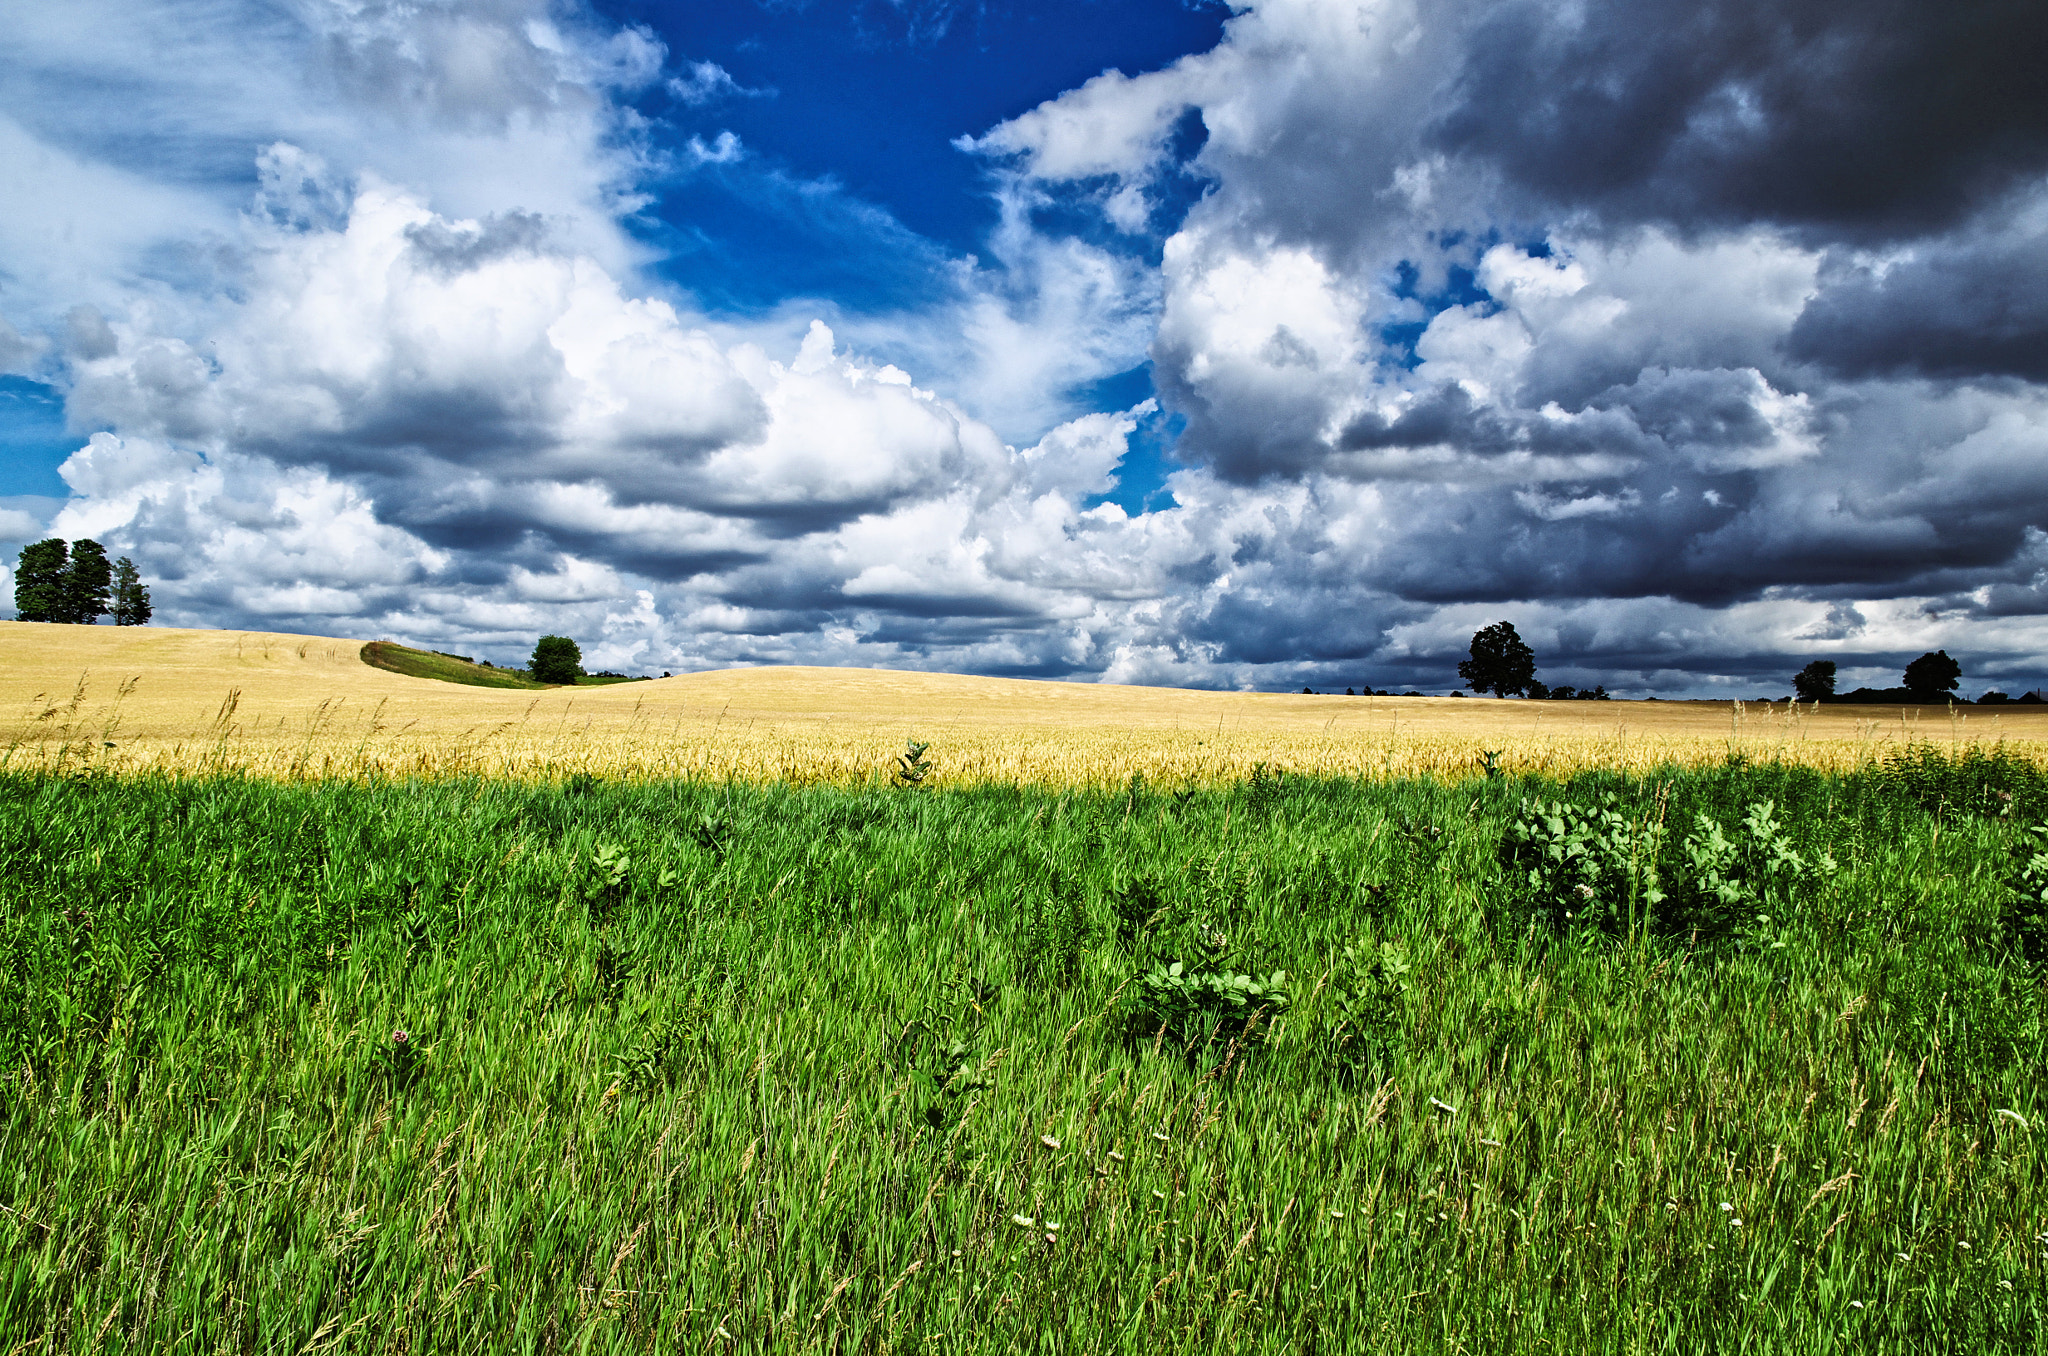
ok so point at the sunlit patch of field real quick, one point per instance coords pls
(189, 702)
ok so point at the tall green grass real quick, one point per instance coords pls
(697, 1067)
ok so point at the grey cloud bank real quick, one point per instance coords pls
(1699, 340)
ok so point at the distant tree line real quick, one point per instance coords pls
(1933, 677)
(56, 581)
(1503, 664)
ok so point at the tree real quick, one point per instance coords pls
(1500, 662)
(39, 581)
(1815, 681)
(1931, 675)
(87, 583)
(131, 595)
(557, 660)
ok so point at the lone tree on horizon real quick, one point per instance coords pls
(1932, 676)
(1500, 662)
(39, 580)
(1815, 681)
(557, 660)
(131, 595)
(88, 584)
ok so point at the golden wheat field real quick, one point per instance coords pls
(286, 706)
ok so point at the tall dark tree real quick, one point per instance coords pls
(1932, 675)
(1815, 681)
(88, 583)
(39, 581)
(1500, 662)
(131, 595)
(558, 660)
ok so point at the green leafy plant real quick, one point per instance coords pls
(666, 1047)
(2023, 913)
(1195, 1008)
(944, 1074)
(712, 834)
(1582, 866)
(1740, 885)
(611, 876)
(1365, 1009)
(1422, 839)
(913, 769)
(649, 1062)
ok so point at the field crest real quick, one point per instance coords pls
(136, 698)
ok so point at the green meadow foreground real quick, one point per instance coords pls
(1738, 1058)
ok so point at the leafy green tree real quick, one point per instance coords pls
(558, 660)
(131, 595)
(1500, 662)
(1932, 675)
(1815, 681)
(39, 581)
(88, 583)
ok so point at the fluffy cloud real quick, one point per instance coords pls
(1604, 304)
(1693, 338)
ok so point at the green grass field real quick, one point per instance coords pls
(446, 668)
(693, 1067)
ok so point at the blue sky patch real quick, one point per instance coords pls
(867, 99)
(33, 441)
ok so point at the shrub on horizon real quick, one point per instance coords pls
(557, 660)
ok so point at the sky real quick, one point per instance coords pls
(1265, 345)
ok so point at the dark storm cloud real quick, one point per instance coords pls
(937, 606)
(1684, 409)
(1312, 624)
(1871, 120)
(1246, 437)
(667, 564)
(1708, 414)
(1447, 416)
(1492, 547)
(1960, 308)
(1706, 540)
